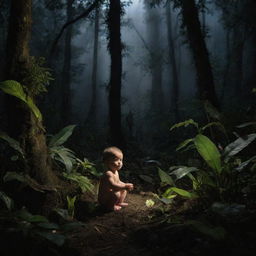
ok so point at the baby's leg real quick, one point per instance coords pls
(110, 201)
(114, 200)
(123, 194)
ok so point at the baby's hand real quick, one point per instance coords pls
(129, 186)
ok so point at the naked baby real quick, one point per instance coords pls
(112, 191)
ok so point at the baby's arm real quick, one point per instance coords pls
(117, 184)
(129, 186)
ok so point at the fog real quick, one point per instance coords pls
(137, 76)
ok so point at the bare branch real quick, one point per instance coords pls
(82, 15)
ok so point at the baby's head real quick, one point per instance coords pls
(113, 158)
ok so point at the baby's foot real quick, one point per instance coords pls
(117, 207)
(123, 204)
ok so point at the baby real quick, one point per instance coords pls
(112, 191)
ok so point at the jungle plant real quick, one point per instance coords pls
(38, 75)
(59, 152)
(36, 228)
(14, 144)
(15, 89)
(6, 200)
(221, 177)
(67, 157)
(71, 206)
(87, 167)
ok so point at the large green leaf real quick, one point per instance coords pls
(169, 194)
(7, 200)
(63, 155)
(238, 145)
(165, 177)
(27, 216)
(209, 152)
(62, 136)
(183, 171)
(183, 192)
(15, 89)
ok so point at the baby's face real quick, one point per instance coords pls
(116, 163)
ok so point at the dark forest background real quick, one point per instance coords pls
(142, 75)
(131, 89)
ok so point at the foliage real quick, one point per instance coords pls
(62, 136)
(64, 156)
(87, 167)
(7, 200)
(15, 89)
(13, 144)
(70, 161)
(34, 227)
(31, 226)
(37, 77)
(221, 178)
(196, 125)
(26, 180)
(208, 151)
(60, 153)
(71, 206)
(83, 182)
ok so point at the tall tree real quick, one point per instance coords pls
(93, 106)
(197, 43)
(172, 60)
(66, 75)
(115, 50)
(153, 21)
(22, 124)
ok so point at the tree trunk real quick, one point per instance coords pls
(115, 50)
(236, 79)
(66, 91)
(172, 59)
(226, 68)
(203, 16)
(200, 53)
(22, 124)
(93, 107)
(156, 57)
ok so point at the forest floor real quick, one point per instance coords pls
(142, 230)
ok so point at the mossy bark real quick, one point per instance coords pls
(21, 123)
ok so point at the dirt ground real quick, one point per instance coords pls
(113, 233)
(147, 231)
